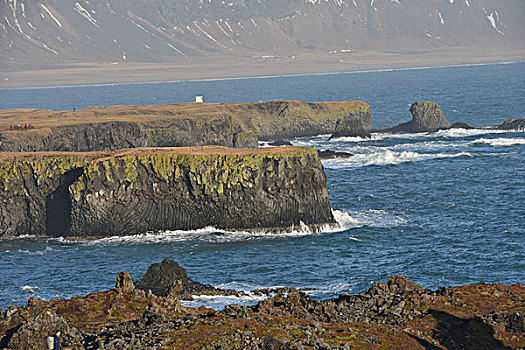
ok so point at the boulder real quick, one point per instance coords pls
(426, 117)
(160, 278)
(458, 125)
(327, 154)
(513, 124)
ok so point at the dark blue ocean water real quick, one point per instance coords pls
(444, 209)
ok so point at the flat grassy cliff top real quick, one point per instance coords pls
(44, 118)
(189, 151)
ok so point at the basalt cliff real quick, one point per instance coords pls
(139, 190)
(238, 125)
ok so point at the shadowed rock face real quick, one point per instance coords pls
(352, 126)
(513, 124)
(426, 117)
(135, 191)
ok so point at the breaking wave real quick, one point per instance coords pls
(500, 142)
(218, 302)
(30, 289)
(387, 157)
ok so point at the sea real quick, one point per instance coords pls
(444, 208)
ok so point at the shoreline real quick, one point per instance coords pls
(86, 74)
(150, 313)
(378, 70)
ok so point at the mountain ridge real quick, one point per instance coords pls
(177, 31)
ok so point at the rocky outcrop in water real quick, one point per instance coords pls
(168, 277)
(136, 191)
(513, 124)
(426, 117)
(328, 154)
(238, 125)
(399, 314)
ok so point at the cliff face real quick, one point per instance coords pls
(29, 187)
(131, 192)
(229, 124)
(289, 119)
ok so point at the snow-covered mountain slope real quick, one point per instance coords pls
(179, 30)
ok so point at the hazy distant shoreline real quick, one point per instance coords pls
(79, 74)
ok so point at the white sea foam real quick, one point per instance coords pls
(345, 220)
(218, 302)
(46, 250)
(387, 157)
(30, 289)
(240, 286)
(376, 218)
(210, 234)
(333, 288)
(441, 133)
(500, 142)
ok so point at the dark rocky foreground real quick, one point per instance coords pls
(399, 314)
(134, 191)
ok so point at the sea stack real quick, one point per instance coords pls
(426, 117)
(154, 189)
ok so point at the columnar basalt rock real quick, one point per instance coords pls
(135, 191)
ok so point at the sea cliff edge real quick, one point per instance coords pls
(138, 190)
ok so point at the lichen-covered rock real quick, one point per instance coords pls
(135, 191)
(426, 117)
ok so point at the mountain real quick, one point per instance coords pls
(178, 31)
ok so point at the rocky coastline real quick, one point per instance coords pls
(147, 314)
(139, 190)
(89, 179)
(238, 125)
